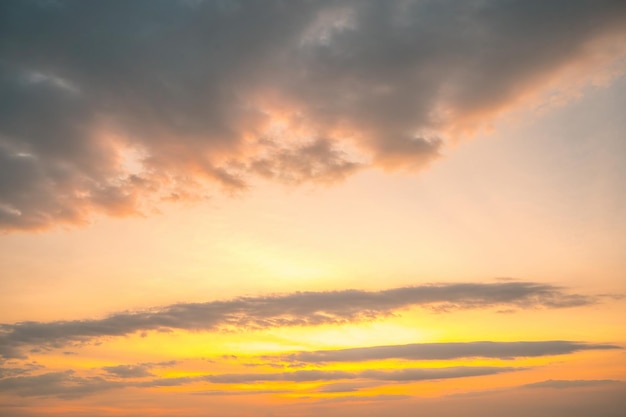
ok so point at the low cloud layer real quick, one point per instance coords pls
(65, 384)
(295, 309)
(446, 351)
(68, 385)
(602, 401)
(572, 383)
(135, 371)
(400, 375)
(110, 108)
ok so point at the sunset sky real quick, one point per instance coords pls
(301, 208)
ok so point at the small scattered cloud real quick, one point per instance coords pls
(128, 371)
(140, 370)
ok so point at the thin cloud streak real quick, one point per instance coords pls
(295, 309)
(572, 383)
(67, 385)
(139, 370)
(445, 351)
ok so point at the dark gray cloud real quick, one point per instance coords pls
(110, 107)
(295, 309)
(445, 351)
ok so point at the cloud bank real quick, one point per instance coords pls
(110, 108)
(294, 309)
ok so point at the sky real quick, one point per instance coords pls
(294, 208)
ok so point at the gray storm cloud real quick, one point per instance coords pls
(293, 309)
(110, 107)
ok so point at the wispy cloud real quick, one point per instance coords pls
(572, 383)
(295, 376)
(128, 371)
(363, 398)
(158, 100)
(68, 385)
(445, 351)
(341, 387)
(56, 384)
(295, 309)
(230, 393)
(423, 374)
(136, 371)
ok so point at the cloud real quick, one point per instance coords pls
(56, 384)
(424, 374)
(607, 401)
(294, 309)
(363, 398)
(340, 387)
(401, 375)
(109, 108)
(135, 371)
(25, 369)
(572, 383)
(67, 385)
(220, 393)
(165, 382)
(445, 351)
(295, 376)
(128, 371)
